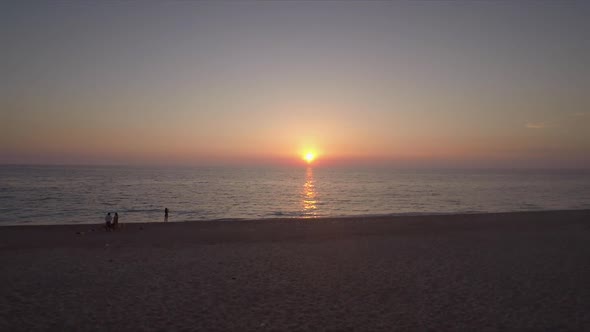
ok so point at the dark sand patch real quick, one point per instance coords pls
(510, 271)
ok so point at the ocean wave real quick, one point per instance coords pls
(43, 199)
(286, 214)
(140, 210)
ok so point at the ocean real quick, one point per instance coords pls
(84, 194)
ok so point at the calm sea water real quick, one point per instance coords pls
(38, 195)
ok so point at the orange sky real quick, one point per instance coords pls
(259, 83)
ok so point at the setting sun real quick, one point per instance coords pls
(309, 157)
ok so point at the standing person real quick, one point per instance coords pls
(107, 221)
(116, 221)
(166, 214)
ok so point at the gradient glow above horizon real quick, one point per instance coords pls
(441, 84)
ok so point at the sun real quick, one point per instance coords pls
(309, 157)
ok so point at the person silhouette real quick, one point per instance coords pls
(107, 220)
(116, 221)
(166, 214)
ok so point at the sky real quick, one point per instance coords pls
(411, 84)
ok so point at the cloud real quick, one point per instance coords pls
(580, 114)
(536, 125)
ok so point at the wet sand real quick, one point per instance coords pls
(487, 272)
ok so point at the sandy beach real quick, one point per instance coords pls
(487, 272)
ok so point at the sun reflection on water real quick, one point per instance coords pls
(309, 195)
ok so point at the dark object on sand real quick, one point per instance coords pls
(107, 220)
(166, 214)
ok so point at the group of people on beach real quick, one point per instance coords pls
(112, 222)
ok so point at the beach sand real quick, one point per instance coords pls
(481, 272)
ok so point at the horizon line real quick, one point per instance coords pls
(233, 165)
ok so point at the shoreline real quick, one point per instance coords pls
(281, 229)
(311, 219)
